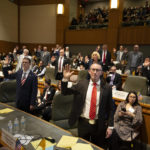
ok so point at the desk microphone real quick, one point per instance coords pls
(48, 139)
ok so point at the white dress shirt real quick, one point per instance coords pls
(62, 61)
(103, 55)
(26, 73)
(86, 108)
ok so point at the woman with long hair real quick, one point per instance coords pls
(127, 120)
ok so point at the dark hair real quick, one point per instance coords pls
(136, 101)
(48, 81)
(27, 58)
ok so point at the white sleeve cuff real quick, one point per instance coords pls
(65, 80)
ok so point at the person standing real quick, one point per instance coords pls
(105, 57)
(26, 88)
(59, 63)
(92, 107)
(45, 56)
(135, 59)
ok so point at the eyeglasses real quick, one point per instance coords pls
(132, 96)
(25, 62)
(97, 70)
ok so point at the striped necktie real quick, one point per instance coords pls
(23, 79)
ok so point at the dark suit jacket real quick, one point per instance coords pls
(55, 63)
(26, 94)
(50, 95)
(146, 73)
(117, 81)
(106, 107)
(108, 57)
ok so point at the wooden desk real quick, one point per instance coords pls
(37, 127)
(145, 129)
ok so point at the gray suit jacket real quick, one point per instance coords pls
(45, 58)
(139, 60)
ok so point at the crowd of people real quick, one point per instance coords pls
(99, 16)
(136, 14)
(95, 16)
(93, 106)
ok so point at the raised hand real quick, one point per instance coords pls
(66, 72)
(53, 59)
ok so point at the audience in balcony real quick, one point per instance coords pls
(136, 14)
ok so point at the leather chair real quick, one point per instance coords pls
(61, 108)
(82, 75)
(8, 92)
(136, 83)
(49, 74)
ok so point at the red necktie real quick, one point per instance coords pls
(104, 58)
(92, 113)
(23, 79)
(59, 68)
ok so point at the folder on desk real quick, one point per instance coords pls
(81, 146)
(67, 141)
(42, 144)
(6, 110)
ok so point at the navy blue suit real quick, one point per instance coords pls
(26, 94)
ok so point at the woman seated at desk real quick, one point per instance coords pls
(127, 120)
(45, 101)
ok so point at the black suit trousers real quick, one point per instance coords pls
(90, 133)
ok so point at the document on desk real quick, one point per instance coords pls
(48, 145)
(6, 110)
(67, 141)
(119, 94)
(81, 146)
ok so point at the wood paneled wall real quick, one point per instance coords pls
(6, 46)
(134, 35)
(126, 35)
(39, 2)
(92, 36)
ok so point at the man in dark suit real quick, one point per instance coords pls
(146, 69)
(68, 53)
(114, 79)
(59, 63)
(92, 106)
(105, 57)
(26, 88)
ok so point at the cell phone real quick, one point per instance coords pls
(123, 109)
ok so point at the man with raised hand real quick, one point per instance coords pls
(92, 106)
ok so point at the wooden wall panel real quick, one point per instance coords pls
(86, 36)
(39, 2)
(6, 46)
(62, 23)
(134, 35)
